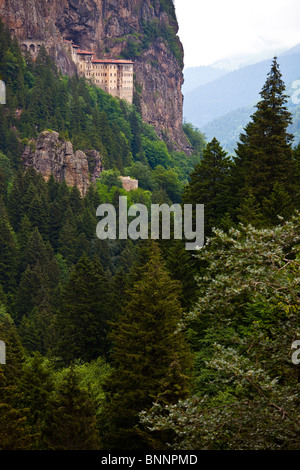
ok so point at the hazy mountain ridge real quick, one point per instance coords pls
(198, 76)
(228, 128)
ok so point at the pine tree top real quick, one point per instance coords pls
(264, 153)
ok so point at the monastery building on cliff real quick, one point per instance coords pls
(115, 76)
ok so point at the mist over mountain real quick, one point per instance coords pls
(222, 107)
(243, 60)
(198, 76)
(292, 50)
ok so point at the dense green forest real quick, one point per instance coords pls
(121, 344)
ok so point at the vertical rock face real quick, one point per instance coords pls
(52, 155)
(142, 30)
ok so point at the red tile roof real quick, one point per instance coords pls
(84, 52)
(100, 61)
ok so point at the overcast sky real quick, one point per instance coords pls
(211, 30)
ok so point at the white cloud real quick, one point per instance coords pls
(215, 29)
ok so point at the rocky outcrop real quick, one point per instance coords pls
(144, 30)
(33, 23)
(52, 155)
(95, 163)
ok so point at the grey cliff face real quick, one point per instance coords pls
(52, 155)
(107, 27)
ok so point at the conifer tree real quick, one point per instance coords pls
(39, 276)
(71, 419)
(209, 185)
(14, 205)
(14, 348)
(8, 252)
(135, 125)
(182, 267)
(37, 250)
(52, 186)
(92, 198)
(75, 201)
(296, 158)
(31, 291)
(36, 386)
(88, 223)
(67, 242)
(249, 211)
(54, 223)
(24, 232)
(15, 431)
(82, 318)
(63, 195)
(264, 153)
(38, 214)
(38, 329)
(279, 205)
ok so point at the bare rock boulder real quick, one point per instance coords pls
(53, 155)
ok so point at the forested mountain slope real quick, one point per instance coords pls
(130, 344)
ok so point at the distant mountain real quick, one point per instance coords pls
(227, 128)
(197, 76)
(222, 107)
(239, 61)
(236, 89)
(233, 90)
(293, 50)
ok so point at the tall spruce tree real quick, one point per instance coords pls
(209, 185)
(83, 314)
(15, 433)
(70, 422)
(264, 153)
(146, 342)
(8, 252)
(36, 386)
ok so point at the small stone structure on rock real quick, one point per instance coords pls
(128, 183)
